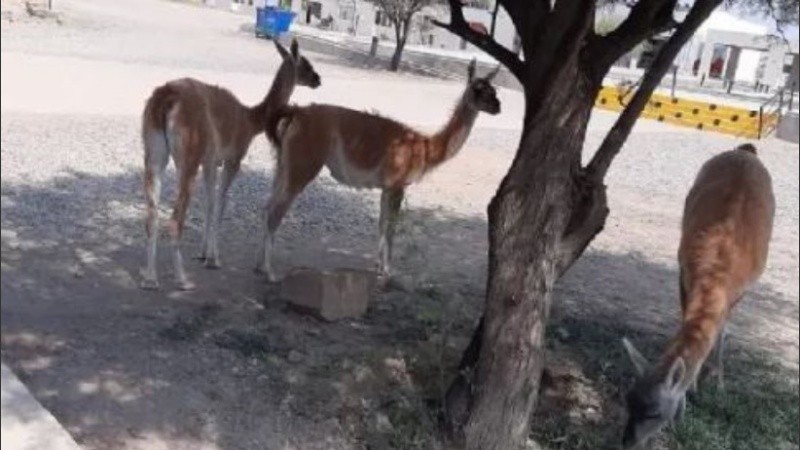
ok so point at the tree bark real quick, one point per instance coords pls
(526, 233)
(401, 34)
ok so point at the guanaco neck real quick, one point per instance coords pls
(277, 97)
(450, 139)
(704, 317)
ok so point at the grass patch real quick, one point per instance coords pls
(757, 410)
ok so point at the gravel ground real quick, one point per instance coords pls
(122, 368)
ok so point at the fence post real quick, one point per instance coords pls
(760, 120)
(674, 78)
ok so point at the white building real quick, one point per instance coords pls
(728, 48)
(725, 47)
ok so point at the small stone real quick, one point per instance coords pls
(383, 424)
(562, 334)
(294, 356)
(76, 271)
(11, 238)
(275, 360)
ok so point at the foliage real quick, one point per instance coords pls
(400, 12)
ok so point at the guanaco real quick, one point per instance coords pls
(364, 150)
(727, 226)
(200, 124)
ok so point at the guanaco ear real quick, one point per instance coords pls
(281, 49)
(493, 73)
(294, 49)
(639, 362)
(676, 373)
(471, 71)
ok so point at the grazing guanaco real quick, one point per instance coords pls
(364, 150)
(200, 124)
(727, 225)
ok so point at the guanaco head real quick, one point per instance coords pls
(303, 70)
(657, 398)
(480, 92)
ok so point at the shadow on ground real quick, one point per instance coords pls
(229, 366)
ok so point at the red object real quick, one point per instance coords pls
(716, 67)
(478, 27)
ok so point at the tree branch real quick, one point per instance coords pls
(601, 161)
(527, 17)
(588, 219)
(646, 19)
(458, 26)
(562, 35)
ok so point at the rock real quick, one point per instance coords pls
(294, 356)
(76, 271)
(330, 295)
(383, 424)
(10, 238)
(562, 334)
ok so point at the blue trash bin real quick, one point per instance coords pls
(272, 22)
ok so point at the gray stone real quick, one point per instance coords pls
(330, 295)
(294, 356)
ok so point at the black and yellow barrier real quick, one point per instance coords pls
(692, 113)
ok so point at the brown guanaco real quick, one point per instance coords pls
(364, 150)
(727, 226)
(203, 125)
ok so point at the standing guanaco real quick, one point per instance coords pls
(203, 125)
(364, 150)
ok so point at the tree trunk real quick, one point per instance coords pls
(394, 65)
(528, 219)
(401, 33)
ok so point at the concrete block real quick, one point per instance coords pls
(26, 425)
(329, 295)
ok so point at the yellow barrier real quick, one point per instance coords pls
(691, 113)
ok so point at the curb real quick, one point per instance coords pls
(26, 424)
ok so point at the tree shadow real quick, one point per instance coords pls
(229, 366)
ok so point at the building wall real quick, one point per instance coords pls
(748, 65)
(504, 30)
